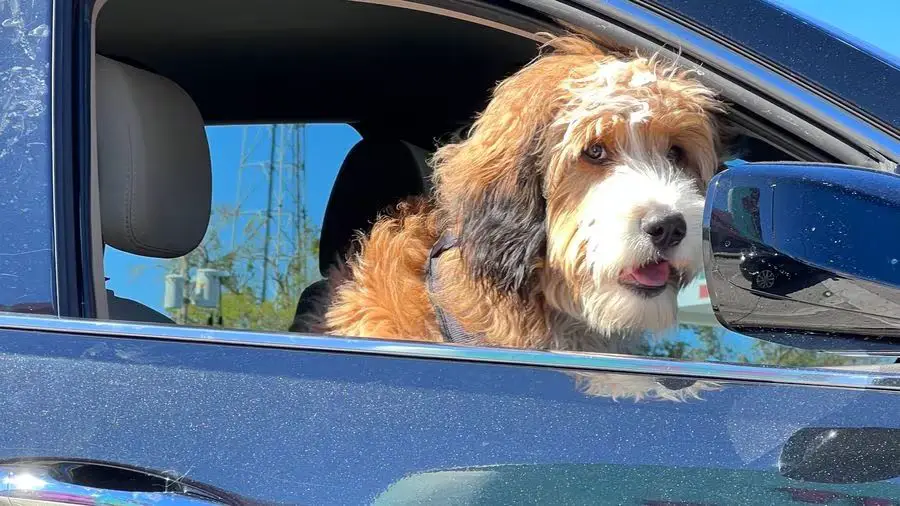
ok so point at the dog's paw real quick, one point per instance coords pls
(641, 387)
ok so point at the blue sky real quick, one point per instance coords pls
(872, 21)
(141, 278)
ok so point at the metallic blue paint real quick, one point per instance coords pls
(316, 420)
(26, 205)
(784, 245)
(307, 427)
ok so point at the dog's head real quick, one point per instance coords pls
(582, 184)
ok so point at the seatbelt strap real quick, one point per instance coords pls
(451, 330)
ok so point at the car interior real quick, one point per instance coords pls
(404, 76)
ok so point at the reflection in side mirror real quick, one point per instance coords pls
(806, 255)
(841, 455)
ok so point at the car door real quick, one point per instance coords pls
(99, 412)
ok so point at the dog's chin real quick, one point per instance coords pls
(619, 309)
(638, 300)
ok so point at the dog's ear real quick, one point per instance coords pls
(489, 187)
(502, 235)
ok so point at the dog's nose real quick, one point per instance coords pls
(666, 230)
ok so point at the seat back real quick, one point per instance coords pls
(376, 174)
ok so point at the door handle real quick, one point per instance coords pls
(87, 483)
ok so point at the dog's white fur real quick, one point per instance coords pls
(610, 228)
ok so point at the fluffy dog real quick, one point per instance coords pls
(568, 219)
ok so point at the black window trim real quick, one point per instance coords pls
(71, 134)
(810, 84)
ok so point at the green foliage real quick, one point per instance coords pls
(711, 347)
(241, 303)
(786, 356)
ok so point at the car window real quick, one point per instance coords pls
(260, 273)
(271, 183)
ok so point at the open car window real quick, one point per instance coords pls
(303, 156)
(270, 187)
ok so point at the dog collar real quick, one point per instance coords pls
(451, 330)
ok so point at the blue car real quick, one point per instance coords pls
(148, 349)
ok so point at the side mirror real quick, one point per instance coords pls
(841, 455)
(806, 255)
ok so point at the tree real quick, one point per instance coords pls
(242, 305)
(712, 347)
(786, 356)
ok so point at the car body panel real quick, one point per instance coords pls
(308, 427)
(27, 266)
(645, 485)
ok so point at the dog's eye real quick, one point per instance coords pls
(595, 152)
(675, 154)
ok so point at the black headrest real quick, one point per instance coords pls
(377, 174)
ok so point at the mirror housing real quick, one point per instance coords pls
(806, 255)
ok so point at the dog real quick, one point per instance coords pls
(567, 219)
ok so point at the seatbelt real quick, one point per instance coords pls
(451, 330)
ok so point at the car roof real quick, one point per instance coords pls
(877, 52)
(802, 50)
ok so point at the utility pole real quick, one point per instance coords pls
(278, 176)
(185, 273)
(270, 208)
(268, 236)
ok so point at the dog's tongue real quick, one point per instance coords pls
(655, 274)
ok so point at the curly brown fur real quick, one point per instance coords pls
(546, 232)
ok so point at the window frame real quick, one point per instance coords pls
(825, 77)
(75, 262)
(81, 252)
(877, 378)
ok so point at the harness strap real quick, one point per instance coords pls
(451, 330)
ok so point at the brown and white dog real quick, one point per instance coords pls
(571, 215)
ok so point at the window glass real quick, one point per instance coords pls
(270, 187)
